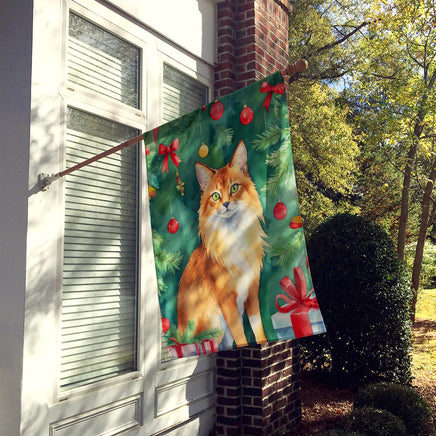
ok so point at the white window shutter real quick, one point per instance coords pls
(98, 320)
(101, 62)
(181, 93)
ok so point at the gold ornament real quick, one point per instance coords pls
(203, 151)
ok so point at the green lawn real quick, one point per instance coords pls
(424, 341)
(426, 305)
(424, 347)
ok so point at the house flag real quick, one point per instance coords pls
(228, 240)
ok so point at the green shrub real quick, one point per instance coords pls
(375, 422)
(341, 433)
(402, 401)
(364, 299)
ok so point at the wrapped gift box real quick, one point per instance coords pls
(183, 350)
(209, 346)
(283, 324)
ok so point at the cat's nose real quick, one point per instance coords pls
(226, 204)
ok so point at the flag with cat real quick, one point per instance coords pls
(229, 248)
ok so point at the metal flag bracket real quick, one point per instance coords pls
(45, 180)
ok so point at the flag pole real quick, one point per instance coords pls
(292, 69)
(45, 180)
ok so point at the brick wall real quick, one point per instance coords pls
(258, 388)
(252, 42)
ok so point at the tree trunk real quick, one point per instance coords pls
(417, 131)
(426, 221)
(404, 214)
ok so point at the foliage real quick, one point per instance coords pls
(323, 140)
(402, 401)
(187, 336)
(363, 297)
(384, 54)
(428, 271)
(340, 432)
(375, 422)
(165, 260)
(393, 89)
(325, 152)
(326, 34)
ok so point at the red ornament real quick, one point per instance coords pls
(296, 222)
(217, 110)
(246, 115)
(280, 211)
(172, 226)
(165, 324)
(203, 108)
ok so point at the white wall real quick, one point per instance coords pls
(180, 21)
(15, 75)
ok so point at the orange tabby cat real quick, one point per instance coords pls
(222, 275)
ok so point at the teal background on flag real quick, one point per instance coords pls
(270, 166)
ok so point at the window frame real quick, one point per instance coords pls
(76, 97)
(154, 53)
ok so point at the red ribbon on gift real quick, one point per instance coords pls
(212, 345)
(276, 89)
(169, 151)
(178, 347)
(298, 302)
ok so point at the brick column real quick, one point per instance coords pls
(252, 42)
(258, 388)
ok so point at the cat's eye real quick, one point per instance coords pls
(216, 196)
(234, 188)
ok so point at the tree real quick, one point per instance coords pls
(325, 152)
(323, 141)
(384, 52)
(397, 83)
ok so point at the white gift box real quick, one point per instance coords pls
(283, 326)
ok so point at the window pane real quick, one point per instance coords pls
(99, 297)
(181, 93)
(102, 62)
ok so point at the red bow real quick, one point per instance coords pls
(171, 151)
(177, 342)
(295, 296)
(266, 87)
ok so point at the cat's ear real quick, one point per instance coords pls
(239, 158)
(204, 174)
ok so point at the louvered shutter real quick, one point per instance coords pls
(181, 94)
(99, 274)
(99, 285)
(101, 62)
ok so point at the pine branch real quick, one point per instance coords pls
(273, 184)
(223, 137)
(283, 251)
(280, 160)
(267, 138)
(207, 334)
(182, 337)
(165, 260)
